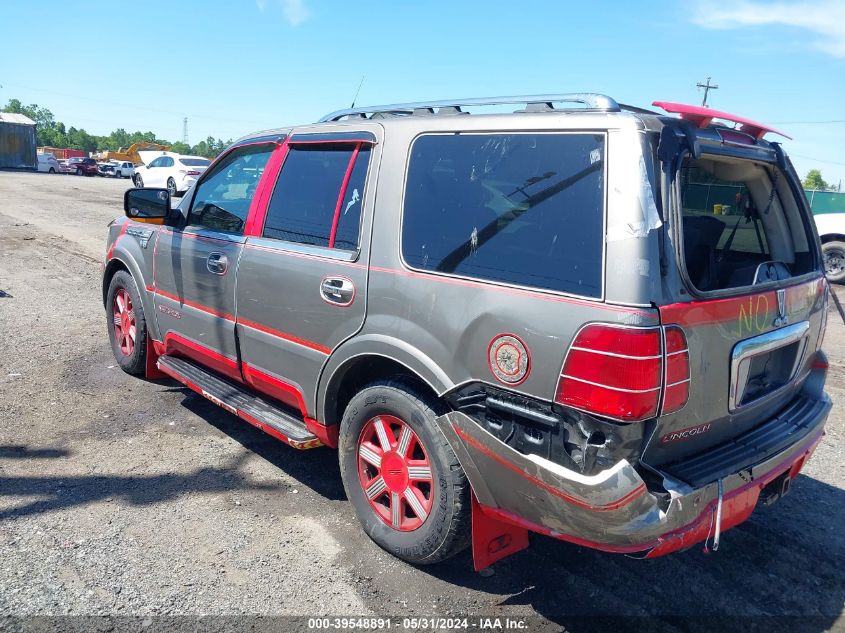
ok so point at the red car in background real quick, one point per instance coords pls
(79, 166)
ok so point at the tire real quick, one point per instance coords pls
(129, 352)
(439, 526)
(79, 171)
(171, 187)
(52, 171)
(139, 182)
(834, 261)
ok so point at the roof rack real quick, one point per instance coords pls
(533, 103)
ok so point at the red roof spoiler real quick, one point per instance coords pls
(702, 116)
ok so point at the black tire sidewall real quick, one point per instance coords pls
(425, 543)
(839, 246)
(135, 363)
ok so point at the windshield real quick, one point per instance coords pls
(741, 224)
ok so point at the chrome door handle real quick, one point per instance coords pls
(338, 291)
(217, 263)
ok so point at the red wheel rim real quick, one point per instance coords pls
(395, 473)
(123, 313)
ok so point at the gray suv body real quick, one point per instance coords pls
(588, 320)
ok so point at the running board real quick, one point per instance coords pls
(239, 400)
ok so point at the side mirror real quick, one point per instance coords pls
(151, 206)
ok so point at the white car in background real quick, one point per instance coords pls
(48, 164)
(123, 168)
(170, 171)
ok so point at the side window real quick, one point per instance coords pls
(313, 202)
(167, 161)
(525, 209)
(155, 163)
(222, 198)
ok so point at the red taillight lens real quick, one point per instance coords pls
(613, 371)
(677, 378)
(620, 372)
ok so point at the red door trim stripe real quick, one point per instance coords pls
(342, 194)
(195, 305)
(261, 200)
(176, 345)
(287, 337)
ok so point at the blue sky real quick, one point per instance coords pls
(233, 67)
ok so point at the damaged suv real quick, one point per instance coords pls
(593, 321)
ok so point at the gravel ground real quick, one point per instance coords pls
(120, 496)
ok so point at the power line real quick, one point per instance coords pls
(818, 160)
(133, 106)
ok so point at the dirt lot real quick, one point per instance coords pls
(121, 496)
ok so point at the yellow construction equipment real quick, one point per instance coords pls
(130, 153)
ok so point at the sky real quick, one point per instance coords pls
(237, 66)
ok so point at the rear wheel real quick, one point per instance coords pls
(402, 477)
(171, 186)
(126, 323)
(834, 261)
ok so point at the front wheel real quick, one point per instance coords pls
(139, 182)
(126, 323)
(79, 171)
(52, 171)
(171, 187)
(834, 261)
(402, 476)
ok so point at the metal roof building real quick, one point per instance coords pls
(17, 142)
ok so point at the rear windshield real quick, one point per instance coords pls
(525, 209)
(195, 162)
(741, 224)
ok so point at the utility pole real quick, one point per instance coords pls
(707, 88)
(185, 130)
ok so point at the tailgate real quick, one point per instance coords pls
(743, 368)
(745, 249)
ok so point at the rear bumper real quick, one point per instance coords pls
(613, 510)
(185, 183)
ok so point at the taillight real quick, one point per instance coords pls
(620, 371)
(677, 376)
(614, 371)
(823, 325)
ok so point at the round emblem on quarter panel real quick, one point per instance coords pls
(508, 359)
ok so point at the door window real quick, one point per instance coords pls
(222, 198)
(167, 162)
(319, 195)
(155, 163)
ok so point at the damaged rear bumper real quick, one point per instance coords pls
(614, 510)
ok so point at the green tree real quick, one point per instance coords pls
(814, 180)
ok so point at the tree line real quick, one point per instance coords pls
(52, 133)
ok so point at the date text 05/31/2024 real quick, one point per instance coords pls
(417, 624)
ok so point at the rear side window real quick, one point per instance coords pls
(318, 196)
(195, 162)
(526, 209)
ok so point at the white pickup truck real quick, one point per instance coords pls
(829, 214)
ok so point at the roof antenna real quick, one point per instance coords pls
(355, 98)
